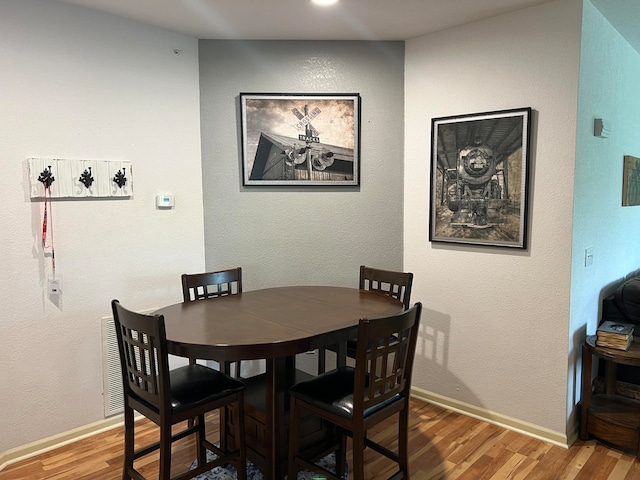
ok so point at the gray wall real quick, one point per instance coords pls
(296, 235)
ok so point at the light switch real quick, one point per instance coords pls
(588, 256)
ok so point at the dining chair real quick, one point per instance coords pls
(168, 397)
(202, 286)
(386, 282)
(355, 399)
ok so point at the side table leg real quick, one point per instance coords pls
(610, 377)
(586, 391)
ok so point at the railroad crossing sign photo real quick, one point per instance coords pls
(310, 139)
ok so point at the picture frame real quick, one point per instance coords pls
(631, 181)
(300, 139)
(479, 178)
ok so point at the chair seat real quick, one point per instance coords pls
(194, 385)
(334, 391)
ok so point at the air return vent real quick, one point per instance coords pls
(111, 376)
(111, 373)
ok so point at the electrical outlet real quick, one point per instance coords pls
(55, 285)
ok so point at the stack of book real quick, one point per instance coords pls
(614, 335)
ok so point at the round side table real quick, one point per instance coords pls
(609, 417)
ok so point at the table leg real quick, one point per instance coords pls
(280, 374)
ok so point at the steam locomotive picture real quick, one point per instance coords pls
(478, 179)
(474, 188)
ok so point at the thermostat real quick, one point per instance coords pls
(164, 201)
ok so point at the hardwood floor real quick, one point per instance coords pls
(444, 446)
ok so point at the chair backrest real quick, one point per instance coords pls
(199, 286)
(144, 359)
(384, 358)
(387, 282)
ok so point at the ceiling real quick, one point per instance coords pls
(301, 20)
(624, 15)
(348, 20)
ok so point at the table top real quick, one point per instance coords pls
(627, 357)
(272, 322)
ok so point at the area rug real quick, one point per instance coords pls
(220, 473)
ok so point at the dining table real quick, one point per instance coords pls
(271, 324)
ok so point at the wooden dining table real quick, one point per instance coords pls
(273, 324)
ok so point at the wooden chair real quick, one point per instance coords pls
(385, 282)
(356, 399)
(201, 286)
(170, 397)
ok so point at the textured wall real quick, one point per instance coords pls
(79, 84)
(496, 320)
(490, 315)
(609, 72)
(304, 236)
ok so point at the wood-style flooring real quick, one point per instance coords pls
(444, 445)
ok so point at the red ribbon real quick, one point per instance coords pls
(45, 220)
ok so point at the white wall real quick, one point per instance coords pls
(496, 320)
(80, 84)
(609, 72)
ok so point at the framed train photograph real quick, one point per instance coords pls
(300, 139)
(479, 178)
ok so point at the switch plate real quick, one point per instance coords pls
(588, 256)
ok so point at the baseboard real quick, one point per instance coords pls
(41, 446)
(529, 429)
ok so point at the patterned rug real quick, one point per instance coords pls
(220, 473)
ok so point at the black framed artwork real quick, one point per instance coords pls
(479, 178)
(300, 139)
(631, 181)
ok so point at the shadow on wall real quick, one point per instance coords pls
(431, 365)
(433, 340)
